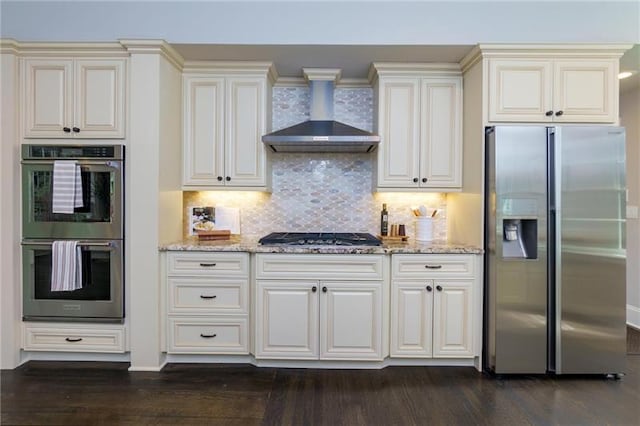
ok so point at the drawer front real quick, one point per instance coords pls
(210, 264)
(207, 296)
(432, 266)
(319, 266)
(208, 335)
(69, 339)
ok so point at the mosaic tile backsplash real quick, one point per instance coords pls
(321, 192)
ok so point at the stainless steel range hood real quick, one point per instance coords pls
(321, 133)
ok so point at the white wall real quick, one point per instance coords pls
(630, 119)
(322, 22)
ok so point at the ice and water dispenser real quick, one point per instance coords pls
(519, 238)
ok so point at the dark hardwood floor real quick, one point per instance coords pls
(75, 393)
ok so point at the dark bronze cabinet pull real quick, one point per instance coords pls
(207, 336)
(433, 266)
(76, 130)
(72, 340)
(439, 288)
(429, 288)
(202, 296)
(559, 113)
(220, 178)
(66, 129)
(324, 289)
(415, 180)
(206, 265)
(548, 113)
(314, 289)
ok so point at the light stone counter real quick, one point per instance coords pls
(250, 244)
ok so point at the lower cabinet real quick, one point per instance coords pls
(433, 306)
(73, 337)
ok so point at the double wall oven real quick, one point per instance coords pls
(97, 226)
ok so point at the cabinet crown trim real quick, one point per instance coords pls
(235, 67)
(160, 47)
(71, 49)
(412, 69)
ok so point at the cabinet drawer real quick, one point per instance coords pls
(208, 335)
(73, 339)
(207, 296)
(212, 264)
(315, 266)
(432, 266)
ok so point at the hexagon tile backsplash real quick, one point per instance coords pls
(321, 192)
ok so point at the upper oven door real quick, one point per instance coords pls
(101, 216)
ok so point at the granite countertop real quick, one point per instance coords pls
(250, 244)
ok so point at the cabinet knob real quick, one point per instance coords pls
(324, 289)
(424, 180)
(429, 288)
(415, 180)
(219, 178)
(548, 113)
(76, 130)
(439, 288)
(66, 130)
(559, 113)
(314, 289)
(228, 178)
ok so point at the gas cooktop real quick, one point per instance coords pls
(320, 238)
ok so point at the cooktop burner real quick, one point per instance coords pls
(320, 238)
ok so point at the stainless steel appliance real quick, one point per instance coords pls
(320, 238)
(555, 250)
(98, 226)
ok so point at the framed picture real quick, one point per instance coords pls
(202, 219)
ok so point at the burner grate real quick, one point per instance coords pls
(320, 238)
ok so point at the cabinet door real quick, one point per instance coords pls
(411, 318)
(399, 128)
(286, 323)
(441, 133)
(452, 319)
(203, 145)
(520, 90)
(99, 98)
(245, 163)
(351, 320)
(48, 85)
(585, 91)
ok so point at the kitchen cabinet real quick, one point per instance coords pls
(225, 116)
(207, 303)
(558, 90)
(419, 120)
(73, 337)
(433, 306)
(339, 317)
(74, 98)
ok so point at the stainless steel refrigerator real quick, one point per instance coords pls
(555, 250)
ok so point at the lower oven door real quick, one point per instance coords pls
(102, 294)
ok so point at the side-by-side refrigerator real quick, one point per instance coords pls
(555, 250)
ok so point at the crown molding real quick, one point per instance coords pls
(470, 59)
(322, 74)
(345, 83)
(412, 69)
(9, 45)
(63, 49)
(157, 47)
(235, 67)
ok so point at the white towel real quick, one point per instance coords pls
(67, 186)
(66, 266)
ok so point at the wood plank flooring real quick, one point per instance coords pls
(76, 393)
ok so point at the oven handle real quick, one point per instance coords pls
(80, 243)
(112, 164)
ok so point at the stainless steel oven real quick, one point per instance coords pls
(98, 228)
(102, 192)
(99, 300)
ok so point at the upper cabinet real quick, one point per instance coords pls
(553, 90)
(226, 112)
(419, 119)
(74, 98)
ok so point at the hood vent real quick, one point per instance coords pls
(321, 133)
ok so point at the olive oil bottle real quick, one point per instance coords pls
(384, 221)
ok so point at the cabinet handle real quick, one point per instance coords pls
(415, 180)
(559, 113)
(76, 130)
(207, 336)
(429, 288)
(314, 289)
(66, 130)
(228, 178)
(433, 266)
(439, 288)
(424, 180)
(202, 296)
(77, 339)
(206, 265)
(324, 289)
(548, 113)
(219, 178)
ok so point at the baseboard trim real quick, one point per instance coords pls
(633, 316)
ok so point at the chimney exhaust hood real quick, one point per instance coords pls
(321, 133)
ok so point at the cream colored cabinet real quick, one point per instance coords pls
(433, 306)
(338, 318)
(553, 90)
(74, 98)
(73, 337)
(419, 119)
(225, 117)
(207, 303)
